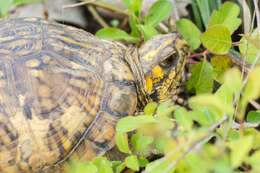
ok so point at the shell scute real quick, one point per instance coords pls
(51, 94)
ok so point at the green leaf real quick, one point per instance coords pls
(22, 2)
(225, 94)
(240, 149)
(79, 167)
(133, 24)
(4, 6)
(223, 165)
(160, 143)
(196, 14)
(200, 117)
(253, 40)
(158, 166)
(251, 50)
(115, 34)
(132, 162)
(140, 143)
(183, 118)
(190, 32)
(122, 142)
(204, 11)
(233, 135)
(118, 166)
(220, 64)
(167, 112)
(214, 5)
(201, 110)
(159, 11)
(217, 39)
(142, 162)
(196, 162)
(252, 88)
(134, 6)
(212, 102)
(150, 108)
(103, 165)
(202, 78)
(253, 117)
(233, 81)
(163, 106)
(165, 109)
(254, 160)
(172, 149)
(147, 31)
(131, 123)
(127, 3)
(226, 15)
(255, 133)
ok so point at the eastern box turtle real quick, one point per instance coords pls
(62, 90)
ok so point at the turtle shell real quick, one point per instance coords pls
(61, 92)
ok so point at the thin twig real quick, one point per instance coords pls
(251, 69)
(236, 125)
(162, 27)
(110, 8)
(257, 17)
(164, 158)
(255, 104)
(225, 117)
(78, 4)
(176, 15)
(201, 143)
(258, 27)
(206, 52)
(244, 68)
(197, 145)
(215, 126)
(194, 146)
(178, 159)
(239, 61)
(96, 16)
(252, 24)
(93, 2)
(258, 56)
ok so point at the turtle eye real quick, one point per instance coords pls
(168, 61)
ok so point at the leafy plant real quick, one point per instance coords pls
(140, 28)
(216, 39)
(188, 148)
(178, 133)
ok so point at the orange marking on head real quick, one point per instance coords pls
(149, 84)
(157, 74)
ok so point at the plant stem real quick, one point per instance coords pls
(206, 52)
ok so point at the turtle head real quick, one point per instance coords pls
(162, 59)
